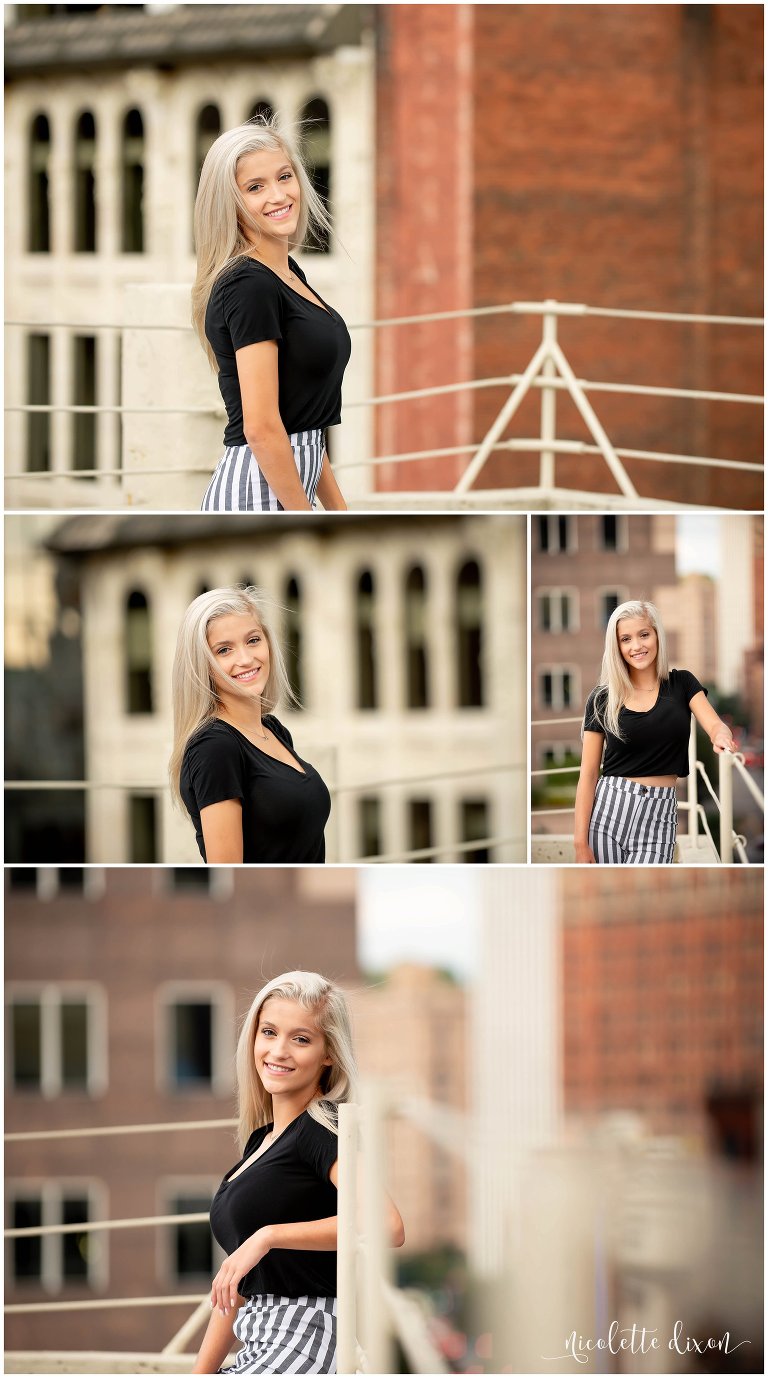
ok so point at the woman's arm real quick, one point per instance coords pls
(262, 426)
(328, 490)
(222, 826)
(304, 1234)
(591, 756)
(719, 733)
(217, 1342)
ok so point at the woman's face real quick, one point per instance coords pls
(241, 652)
(638, 642)
(289, 1050)
(270, 189)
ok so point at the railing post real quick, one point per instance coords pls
(693, 788)
(377, 1255)
(725, 767)
(346, 1242)
(548, 403)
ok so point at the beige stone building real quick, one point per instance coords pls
(108, 118)
(408, 642)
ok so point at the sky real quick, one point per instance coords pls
(698, 544)
(424, 914)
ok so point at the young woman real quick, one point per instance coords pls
(234, 767)
(275, 1211)
(279, 349)
(637, 722)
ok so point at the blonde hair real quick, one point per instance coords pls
(615, 681)
(193, 681)
(221, 214)
(338, 1083)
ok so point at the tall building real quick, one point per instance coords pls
(407, 647)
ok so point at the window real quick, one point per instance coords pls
(207, 130)
(142, 826)
(261, 110)
(557, 610)
(556, 533)
(57, 1259)
(369, 813)
(190, 880)
(557, 754)
(417, 688)
(611, 532)
(293, 646)
(84, 423)
(474, 827)
(317, 153)
(39, 212)
(22, 878)
(420, 826)
(56, 1040)
(607, 602)
(557, 688)
(190, 1245)
(138, 651)
(38, 394)
(85, 185)
(195, 1052)
(469, 606)
(133, 183)
(366, 644)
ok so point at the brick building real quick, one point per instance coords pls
(588, 153)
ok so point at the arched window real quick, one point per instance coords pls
(260, 110)
(207, 129)
(417, 685)
(138, 653)
(85, 184)
(39, 228)
(469, 634)
(316, 142)
(366, 642)
(133, 183)
(293, 646)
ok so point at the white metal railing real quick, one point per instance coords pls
(548, 371)
(730, 840)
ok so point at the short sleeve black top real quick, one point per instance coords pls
(656, 742)
(249, 303)
(284, 811)
(289, 1183)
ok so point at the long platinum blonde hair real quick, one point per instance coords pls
(193, 680)
(615, 680)
(338, 1083)
(221, 215)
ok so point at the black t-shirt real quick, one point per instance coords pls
(289, 1183)
(250, 303)
(656, 742)
(284, 812)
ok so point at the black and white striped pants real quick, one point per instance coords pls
(238, 484)
(286, 1335)
(632, 824)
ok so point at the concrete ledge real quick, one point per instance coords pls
(76, 1361)
(553, 849)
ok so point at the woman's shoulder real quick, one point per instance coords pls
(241, 273)
(685, 682)
(279, 729)
(213, 733)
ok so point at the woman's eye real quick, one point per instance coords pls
(268, 1032)
(222, 651)
(254, 639)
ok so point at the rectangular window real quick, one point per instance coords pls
(22, 878)
(474, 827)
(191, 1251)
(84, 395)
(609, 531)
(190, 880)
(609, 601)
(56, 1039)
(555, 533)
(369, 813)
(556, 611)
(420, 826)
(143, 828)
(38, 394)
(556, 689)
(68, 1258)
(191, 1053)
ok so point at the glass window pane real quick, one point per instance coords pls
(74, 1247)
(192, 1250)
(27, 1254)
(74, 1044)
(27, 1044)
(192, 1043)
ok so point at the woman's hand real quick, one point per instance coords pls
(224, 1293)
(723, 740)
(584, 854)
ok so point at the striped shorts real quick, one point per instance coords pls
(238, 484)
(286, 1335)
(631, 824)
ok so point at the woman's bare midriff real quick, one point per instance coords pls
(655, 781)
